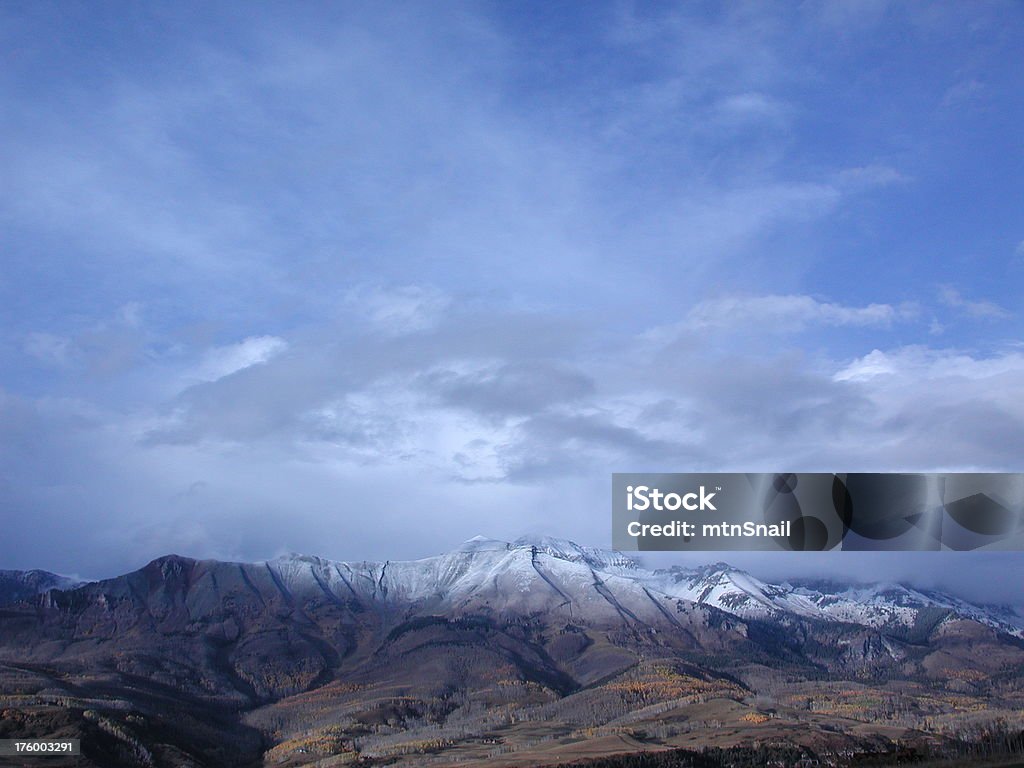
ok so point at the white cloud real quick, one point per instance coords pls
(131, 314)
(873, 364)
(223, 361)
(918, 364)
(980, 309)
(750, 107)
(51, 350)
(789, 313)
(395, 311)
(350, 424)
(870, 176)
(963, 92)
(931, 409)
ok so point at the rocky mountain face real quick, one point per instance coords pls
(222, 663)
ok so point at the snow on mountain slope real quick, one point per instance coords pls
(553, 575)
(563, 549)
(879, 605)
(490, 576)
(888, 604)
(24, 585)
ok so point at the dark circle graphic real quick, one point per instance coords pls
(784, 482)
(883, 506)
(808, 534)
(842, 502)
(982, 514)
(781, 508)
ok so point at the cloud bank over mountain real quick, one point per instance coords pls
(358, 284)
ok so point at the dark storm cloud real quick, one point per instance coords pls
(553, 445)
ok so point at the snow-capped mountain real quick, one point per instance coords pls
(493, 577)
(23, 585)
(529, 623)
(873, 605)
(534, 575)
(556, 575)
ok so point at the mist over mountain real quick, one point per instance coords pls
(22, 585)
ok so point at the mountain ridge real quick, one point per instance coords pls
(480, 565)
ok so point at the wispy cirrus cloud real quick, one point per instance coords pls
(951, 297)
(790, 313)
(49, 349)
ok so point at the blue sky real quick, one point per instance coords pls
(366, 281)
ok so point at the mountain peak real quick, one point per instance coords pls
(25, 585)
(166, 563)
(482, 544)
(564, 549)
(720, 567)
(298, 557)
